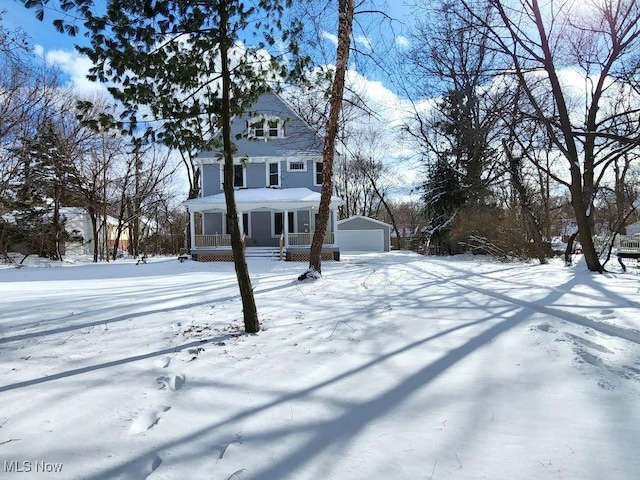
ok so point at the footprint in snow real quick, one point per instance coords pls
(578, 341)
(155, 463)
(544, 327)
(607, 314)
(171, 382)
(163, 362)
(139, 468)
(605, 384)
(147, 419)
(591, 359)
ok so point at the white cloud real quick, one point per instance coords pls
(389, 113)
(402, 41)
(73, 64)
(364, 41)
(330, 36)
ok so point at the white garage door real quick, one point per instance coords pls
(361, 240)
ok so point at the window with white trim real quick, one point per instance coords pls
(265, 126)
(273, 174)
(296, 166)
(239, 176)
(317, 173)
(278, 223)
(274, 128)
(239, 180)
(246, 224)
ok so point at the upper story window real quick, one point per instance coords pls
(273, 174)
(274, 128)
(317, 170)
(239, 180)
(295, 166)
(239, 176)
(265, 127)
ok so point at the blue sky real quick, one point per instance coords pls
(41, 33)
(44, 35)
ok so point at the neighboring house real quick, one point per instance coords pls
(633, 228)
(78, 223)
(278, 178)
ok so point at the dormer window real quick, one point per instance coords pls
(274, 128)
(264, 127)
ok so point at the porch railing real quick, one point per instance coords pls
(217, 240)
(295, 239)
(629, 244)
(304, 239)
(622, 243)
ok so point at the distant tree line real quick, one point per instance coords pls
(534, 120)
(51, 159)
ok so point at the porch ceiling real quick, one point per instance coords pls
(262, 198)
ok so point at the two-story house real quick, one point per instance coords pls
(278, 178)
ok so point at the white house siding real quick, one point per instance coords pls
(78, 220)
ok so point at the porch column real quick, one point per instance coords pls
(192, 228)
(334, 216)
(286, 228)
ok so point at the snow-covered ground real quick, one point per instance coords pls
(392, 366)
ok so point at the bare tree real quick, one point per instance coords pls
(458, 132)
(29, 90)
(599, 40)
(103, 152)
(345, 25)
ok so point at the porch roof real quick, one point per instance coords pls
(257, 198)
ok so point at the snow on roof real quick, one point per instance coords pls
(265, 197)
(367, 219)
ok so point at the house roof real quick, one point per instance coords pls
(257, 198)
(300, 140)
(368, 219)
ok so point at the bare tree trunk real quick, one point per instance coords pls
(194, 191)
(57, 226)
(249, 310)
(387, 209)
(525, 203)
(568, 253)
(345, 25)
(93, 217)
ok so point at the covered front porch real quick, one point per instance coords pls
(282, 219)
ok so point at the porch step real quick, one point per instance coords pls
(262, 252)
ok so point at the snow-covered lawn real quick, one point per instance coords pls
(392, 366)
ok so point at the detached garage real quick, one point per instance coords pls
(363, 234)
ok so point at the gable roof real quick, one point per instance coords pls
(300, 138)
(367, 219)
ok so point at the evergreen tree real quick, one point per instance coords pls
(46, 181)
(444, 197)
